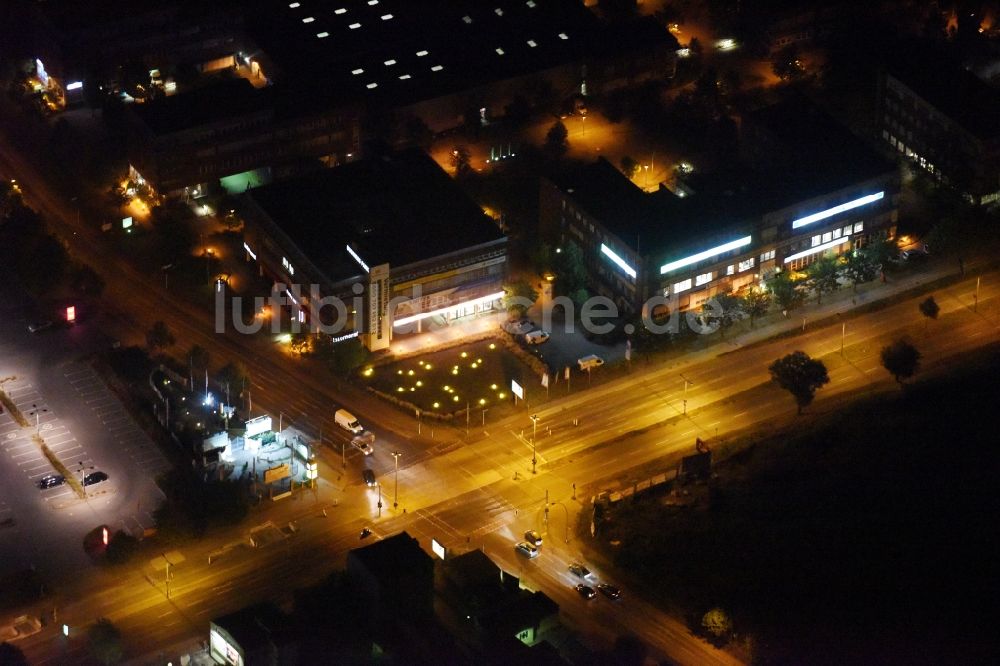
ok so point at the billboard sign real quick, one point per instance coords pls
(516, 389)
(277, 473)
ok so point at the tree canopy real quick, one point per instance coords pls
(555, 139)
(901, 359)
(105, 641)
(518, 297)
(800, 375)
(823, 276)
(159, 337)
(929, 308)
(786, 292)
(755, 302)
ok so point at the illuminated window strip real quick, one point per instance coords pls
(294, 300)
(346, 336)
(250, 252)
(618, 261)
(424, 315)
(819, 248)
(695, 258)
(830, 212)
(358, 259)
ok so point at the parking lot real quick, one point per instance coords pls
(26, 455)
(85, 426)
(122, 432)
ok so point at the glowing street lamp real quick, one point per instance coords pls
(534, 430)
(395, 490)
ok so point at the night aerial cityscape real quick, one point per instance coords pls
(499, 332)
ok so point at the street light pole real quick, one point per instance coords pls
(686, 383)
(534, 430)
(37, 413)
(395, 490)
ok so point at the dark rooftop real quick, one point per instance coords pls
(817, 157)
(392, 557)
(227, 99)
(819, 154)
(400, 208)
(606, 194)
(951, 89)
(400, 51)
(252, 626)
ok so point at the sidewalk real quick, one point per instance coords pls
(843, 302)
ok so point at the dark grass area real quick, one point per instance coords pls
(871, 538)
(437, 370)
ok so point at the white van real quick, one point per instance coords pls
(347, 421)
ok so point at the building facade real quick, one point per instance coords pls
(773, 212)
(942, 119)
(391, 235)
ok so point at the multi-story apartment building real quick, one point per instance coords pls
(806, 187)
(394, 231)
(943, 118)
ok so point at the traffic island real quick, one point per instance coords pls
(12, 409)
(59, 467)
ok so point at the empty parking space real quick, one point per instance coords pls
(121, 431)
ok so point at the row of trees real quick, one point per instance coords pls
(39, 259)
(802, 375)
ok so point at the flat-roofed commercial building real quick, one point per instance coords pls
(234, 135)
(394, 230)
(806, 187)
(327, 76)
(941, 117)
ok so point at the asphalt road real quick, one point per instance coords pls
(481, 492)
(466, 499)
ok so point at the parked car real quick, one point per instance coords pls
(579, 570)
(519, 327)
(526, 549)
(533, 537)
(94, 478)
(586, 591)
(51, 481)
(36, 326)
(590, 361)
(536, 337)
(610, 591)
(919, 252)
(368, 477)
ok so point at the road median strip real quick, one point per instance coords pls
(59, 466)
(12, 409)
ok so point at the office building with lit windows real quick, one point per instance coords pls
(942, 118)
(392, 231)
(804, 187)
